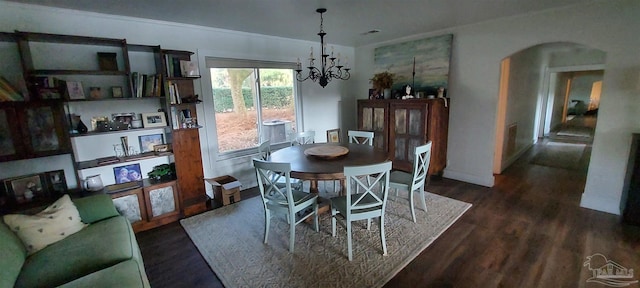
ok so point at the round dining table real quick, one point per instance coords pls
(308, 166)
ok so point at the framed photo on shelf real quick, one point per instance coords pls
(147, 142)
(56, 182)
(108, 61)
(116, 92)
(161, 148)
(127, 173)
(25, 189)
(156, 119)
(124, 118)
(75, 90)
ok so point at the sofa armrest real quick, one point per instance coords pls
(95, 208)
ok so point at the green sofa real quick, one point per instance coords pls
(103, 254)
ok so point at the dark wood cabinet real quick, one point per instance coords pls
(401, 125)
(631, 195)
(150, 206)
(32, 129)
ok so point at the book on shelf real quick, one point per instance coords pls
(173, 92)
(107, 160)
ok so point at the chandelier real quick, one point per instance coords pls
(330, 69)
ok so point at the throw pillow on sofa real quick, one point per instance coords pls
(53, 224)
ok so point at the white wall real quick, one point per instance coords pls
(610, 26)
(322, 107)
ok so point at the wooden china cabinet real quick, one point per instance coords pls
(401, 125)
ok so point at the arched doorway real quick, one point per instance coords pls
(538, 86)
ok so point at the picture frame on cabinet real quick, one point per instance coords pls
(148, 142)
(75, 90)
(25, 189)
(56, 182)
(155, 119)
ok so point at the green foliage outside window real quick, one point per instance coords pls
(271, 97)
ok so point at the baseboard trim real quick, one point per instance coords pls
(473, 179)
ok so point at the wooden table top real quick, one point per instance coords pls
(309, 167)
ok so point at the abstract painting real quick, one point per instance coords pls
(427, 58)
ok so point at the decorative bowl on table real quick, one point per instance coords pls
(326, 151)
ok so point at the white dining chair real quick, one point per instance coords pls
(306, 137)
(414, 183)
(366, 205)
(264, 153)
(285, 200)
(360, 137)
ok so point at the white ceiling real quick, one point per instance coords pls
(345, 22)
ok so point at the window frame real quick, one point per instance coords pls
(222, 63)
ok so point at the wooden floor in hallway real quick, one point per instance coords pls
(526, 231)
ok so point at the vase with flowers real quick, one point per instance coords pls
(383, 82)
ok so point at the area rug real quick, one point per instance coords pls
(560, 155)
(231, 240)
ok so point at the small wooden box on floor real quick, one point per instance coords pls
(225, 187)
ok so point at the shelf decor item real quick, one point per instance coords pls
(147, 142)
(382, 82)
(116, 92)
(156, 119)
(127, 173)
(75, 90)
(107, 61)
(26, 188)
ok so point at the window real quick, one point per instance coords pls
(253, 101)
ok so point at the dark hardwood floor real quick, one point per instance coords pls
(526, 231)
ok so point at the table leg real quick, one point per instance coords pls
(313, 187)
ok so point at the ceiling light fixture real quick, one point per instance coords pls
(324, 74)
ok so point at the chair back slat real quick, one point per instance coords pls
(371, 182)
(422, 158)
(306, 137)
(269, 174)
(361, 137)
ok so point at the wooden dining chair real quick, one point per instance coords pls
(366, 205)
(264, 153)
(285, 200)
(360, 137)
(306, 137)
(414, 183)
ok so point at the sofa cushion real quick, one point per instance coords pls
(96, 247)
(95, 208)
(12, 256)
(53, 224)
(123, 274)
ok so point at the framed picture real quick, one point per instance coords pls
(161, 148)
(333, 136)
(75, 90)
(108, 61)
(26, 188)
(56, 182)
(127, 173)
(124, 118)
(116, 92)
(147, 142)
(42, 129)
(95, 92)
(156, 119)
